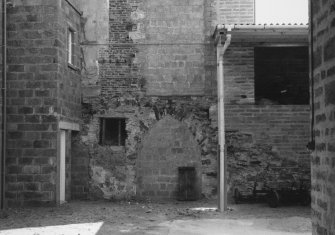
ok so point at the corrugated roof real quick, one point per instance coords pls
(263, 26)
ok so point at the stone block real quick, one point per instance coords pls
(32, 186)
(329, 93)
(41, 144)
(25, 178)
(31, 169)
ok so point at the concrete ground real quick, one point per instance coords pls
(173, 218)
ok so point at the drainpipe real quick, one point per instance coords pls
(222, 200)
(4, 103)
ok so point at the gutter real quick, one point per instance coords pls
(222, 197)
(4, 104)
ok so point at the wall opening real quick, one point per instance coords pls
(113, 131)
(281, 75)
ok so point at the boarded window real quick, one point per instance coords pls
(281, 75)
(113, 131)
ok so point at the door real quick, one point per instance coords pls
(62, 165)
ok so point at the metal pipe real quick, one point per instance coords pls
(4, 103)
(222, 198)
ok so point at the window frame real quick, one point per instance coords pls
(121, 133)
(70, 46)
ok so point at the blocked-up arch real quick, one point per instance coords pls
(167, 146)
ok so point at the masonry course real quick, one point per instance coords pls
(153, 66)
(161, 63)
(36, 69)
(323, 212)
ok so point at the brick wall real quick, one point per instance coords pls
(285, 128)
(236, 11)
(323, 161)
(79, 168)
(169, 51)
(69, 81)
(1, 66)
(32, 93)
(176, 69)
(42, 90)
(160, 157)
(239, 75)
(159, 55)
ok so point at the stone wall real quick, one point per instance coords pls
(160, 62)
(42, 90)
(69, 79)
(284, 127)
(1, 67)
(113, 169)
(323, 161)
(167, 146)
(266, 144)
(152, 37)
(239, 75)
(32, 92)
(79, 168)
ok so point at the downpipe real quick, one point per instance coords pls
(222, 197)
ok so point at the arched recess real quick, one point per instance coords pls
(168, 146)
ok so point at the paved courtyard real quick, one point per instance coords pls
(171, 218)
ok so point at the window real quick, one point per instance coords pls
(281, 11)
(70, 46)
(113, 131)
(281, 75)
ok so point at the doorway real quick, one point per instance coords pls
(62, 167)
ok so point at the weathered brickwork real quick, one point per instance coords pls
(117, 178)
(42, 90)
(285, 128)
(323, 161)
(159, 68)
(152, 63)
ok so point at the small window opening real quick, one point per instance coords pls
(113, 131)
(281, 75)
(70, 46)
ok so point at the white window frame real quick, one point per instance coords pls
(70, 46)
